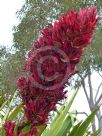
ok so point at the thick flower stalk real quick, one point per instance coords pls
(58, 48)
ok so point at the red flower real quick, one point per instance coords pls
(64, 44)
(37, 110)
(9, 128)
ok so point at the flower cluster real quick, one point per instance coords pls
(70, 34)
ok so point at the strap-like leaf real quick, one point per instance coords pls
(9, 107)
(15, 112)
(57, 124)
(74, 130)
(82, 129)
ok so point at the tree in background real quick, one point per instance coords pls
(10, 69)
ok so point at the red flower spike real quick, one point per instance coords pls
(64, 43)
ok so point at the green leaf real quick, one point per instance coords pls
(74, 129)
(41, 128)
(3, 105)
(9, 107)
(15, 112)
(96, 133)
(55, 128)
(82, 129)
(65, 126)
(2, 99)
(26, 129)
(58, 114)
(1, 116)
(2, 131)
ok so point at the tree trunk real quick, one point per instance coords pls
(100, 126)
(99, 116)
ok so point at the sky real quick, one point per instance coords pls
(8, 19)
